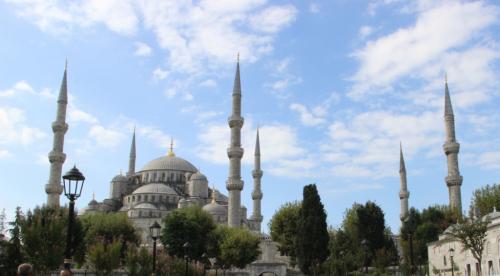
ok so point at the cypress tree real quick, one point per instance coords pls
(312, 234)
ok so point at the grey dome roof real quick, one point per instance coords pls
(120, 178)
(172, 163)
(155, 188)
(93, 202)
(144, 206)
(215, 209)
(198, 176)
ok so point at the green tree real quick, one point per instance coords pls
(312, 233)
(472, 236)
(14, 255)
(283, 228)
(485, 200)
(343, 257)
(138, 261)
(237, 246)
(104, 257)
(191, 225)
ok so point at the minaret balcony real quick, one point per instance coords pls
(235, 152)
(59, 127)
(234, 184)
(257, 173)
(454, 180)
(58, 157)
(451, 147)
(404, 194)
(53, 189)
(235, 121)
(257, 195)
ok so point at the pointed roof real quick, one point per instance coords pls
(402, 167)
(237, 83)
(257, 144)
(132, 146)
(448, 109)
(63, 92)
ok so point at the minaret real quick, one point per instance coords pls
(57, 156)
(131, 160)
(234, 184)
(257, 193)
(451, 149)
(403, 192)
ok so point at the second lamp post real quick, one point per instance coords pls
(154, 230)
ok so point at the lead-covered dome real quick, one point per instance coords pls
(155, 188)
(171, 163)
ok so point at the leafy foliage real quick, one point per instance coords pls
(312, 234)
(104, 256)
(484, 200)
(138, 261)
(237, 246)
(283, 228)
(191, 225)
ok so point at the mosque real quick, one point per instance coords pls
(168, 182)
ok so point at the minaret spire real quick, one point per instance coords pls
(403, 192)
(171, 150)
(131, 161)
(257, 193)
(57, 156)
(451, 148)
(234, 184)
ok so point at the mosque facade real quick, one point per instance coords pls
(168, 182)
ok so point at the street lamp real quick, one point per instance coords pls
(186, 256)
(73, 183)
(154, 230)
(452, 253)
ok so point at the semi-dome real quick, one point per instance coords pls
(144, 206)
(215, 209)
(120, 178)
(198, 176)
(169, 162)
(155, 188)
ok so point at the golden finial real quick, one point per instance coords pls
(171, 150)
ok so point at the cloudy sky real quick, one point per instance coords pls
(334, 86)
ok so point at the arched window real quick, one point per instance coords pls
(146, 198)
(153, 198)
(139, 198)
(172, 176)
(133, 198)
(154, 176)
(163, 177)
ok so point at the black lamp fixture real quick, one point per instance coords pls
(73, 184)
(452, 254)
(154, 230)
(186, 247)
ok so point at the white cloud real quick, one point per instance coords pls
(439, 28)
(77, 115)
(24, 87)
(314, 118)
(208, 83)
(142, 49)
(314, 8)
(206, 115)
(13, 128)
(160, 74)
(273, 19)
(105, 137)
(155, 135)
(489, 160)
(280, 149)
(365, 31)
(4, 153)
(191, 32)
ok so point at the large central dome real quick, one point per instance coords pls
(170, 163)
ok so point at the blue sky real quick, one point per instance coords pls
(333, 85)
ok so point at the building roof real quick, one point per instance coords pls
(120, 178)
(144, 206)
(198, 176)
(215, 209)
(155, 188)
(171, 163)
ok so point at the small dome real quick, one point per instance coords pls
(169, 162)
(120, 178)
(198, 176)
(144, 206)
(93, 202)
(215, 209)
(155, 188)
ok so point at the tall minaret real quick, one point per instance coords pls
(257, 193)
(131, 160)
(57, 156)
(451, 149)
(234, 184)
(403, 192)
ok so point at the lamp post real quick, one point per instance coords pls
(154, 230)
(186, 256)
(452, 253)
(73, 183)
